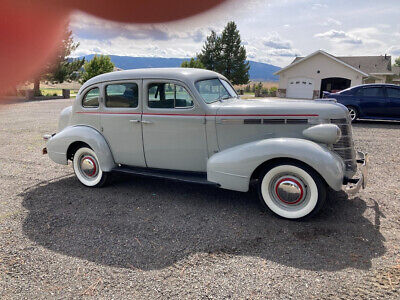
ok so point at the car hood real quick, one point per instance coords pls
(322, 109)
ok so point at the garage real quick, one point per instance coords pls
(300, 87)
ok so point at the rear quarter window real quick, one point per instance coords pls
(91, 98)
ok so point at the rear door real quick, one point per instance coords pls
(121, 121)
(372, 101)
(393, 94)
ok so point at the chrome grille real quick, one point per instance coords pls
(345, 146)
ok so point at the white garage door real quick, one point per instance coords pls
(300, 88)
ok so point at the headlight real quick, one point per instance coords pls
(323, 133)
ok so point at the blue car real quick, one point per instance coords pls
(370, 101)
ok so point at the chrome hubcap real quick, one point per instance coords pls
(88, 166)
(352, 114)
(289, 190)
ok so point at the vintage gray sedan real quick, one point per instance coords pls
(190, 125)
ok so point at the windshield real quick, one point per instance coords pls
(212, 90)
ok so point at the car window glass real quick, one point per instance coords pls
(393, 92)
(122, 95)
(168, 95)
(212, 90)
(91, 98)
(229, 88)
(182, 97)
(371, 92)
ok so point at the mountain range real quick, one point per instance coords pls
(258, 71)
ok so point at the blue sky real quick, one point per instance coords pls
(273, 31)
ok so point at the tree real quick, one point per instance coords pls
(98, 65)
(211, 52)
(226, 55)
(61, 68)
(192, 63)
(397, 62)
(233, 57)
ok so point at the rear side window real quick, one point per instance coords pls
(168, 95)
(124, 95)
(91, 98)
(393, 92)
(371, 92)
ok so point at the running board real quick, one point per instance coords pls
(185, 176)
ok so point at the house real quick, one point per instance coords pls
(307, 77)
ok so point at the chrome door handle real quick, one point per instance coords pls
(147, 122)
(134, 121)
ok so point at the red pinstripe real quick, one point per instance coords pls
(198, 115)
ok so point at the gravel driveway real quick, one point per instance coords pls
(144, 238)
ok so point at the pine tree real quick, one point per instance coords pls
(211, 52)
(233, 56)
(225, 54)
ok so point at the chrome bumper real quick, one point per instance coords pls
(46, 137)
(354, 184)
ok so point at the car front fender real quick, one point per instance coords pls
(57, 145)
(232, 168)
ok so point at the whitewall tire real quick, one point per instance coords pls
(291, 190)
(87, 169)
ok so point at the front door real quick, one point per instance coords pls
(372, 101)
(393, 94)
(121, 121)
(174, 135)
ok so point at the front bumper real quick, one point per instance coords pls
(354, 185)
(46, 137)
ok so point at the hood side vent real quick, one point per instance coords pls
(252, 121)
(297, 121)
(273, 121)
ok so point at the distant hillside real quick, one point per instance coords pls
(258, 71)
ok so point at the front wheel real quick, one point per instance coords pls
(87, 169)
(291, 190)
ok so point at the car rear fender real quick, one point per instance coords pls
(57, 145)
(232, 168)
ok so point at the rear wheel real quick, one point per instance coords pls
(87, 169)
(353, 113)
(291, 190)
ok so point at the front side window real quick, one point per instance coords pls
(393, 92)
(124, 95)
(91, 98)
(168, 95)
(212, 90)
(371, 92)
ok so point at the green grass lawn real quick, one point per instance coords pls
(56, 92)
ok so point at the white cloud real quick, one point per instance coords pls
(276, 42)
(340, 37)
(331, 22)
(394, 50)
(317, 6)
(89, 27)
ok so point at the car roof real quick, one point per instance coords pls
(180, 74)
(375, 85)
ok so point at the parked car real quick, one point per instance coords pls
(370, 101)
(190, 125)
